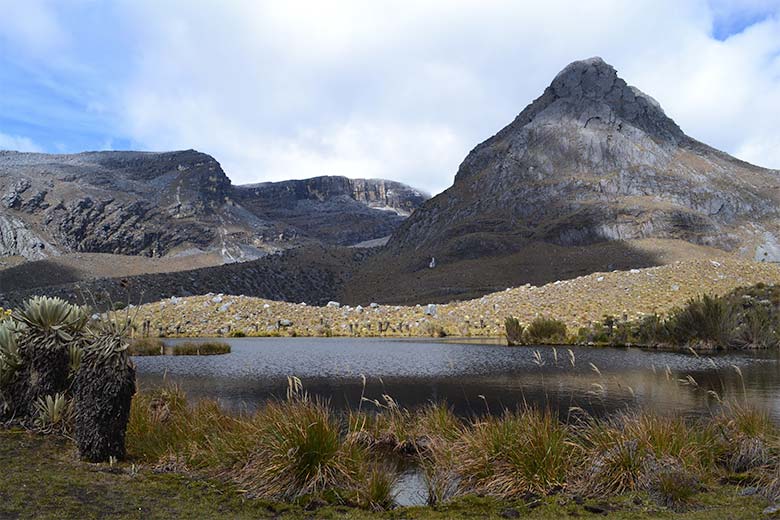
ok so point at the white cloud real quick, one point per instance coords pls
(31, 25)
(18, 143)
(404, 90)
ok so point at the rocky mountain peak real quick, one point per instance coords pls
(592, 90)
(594, 160)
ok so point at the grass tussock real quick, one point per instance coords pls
(156, 347)
(146, 347)
(519, 453)
(287, 450)
(301, 449)
(624, 452)
(545, 330)
(749, 436)
(204, 348)
(514, 331)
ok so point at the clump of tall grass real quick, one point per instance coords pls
(391, 429)
(286, 450)
(205, 348)
(159, 423)
(706, 320)
(748, 434)
(672, 486)
(299, 451)
(757, 329)
(376, 486)
(545, 330)
(627, 452)
(528, 451)
(146, 347)
(514, 331)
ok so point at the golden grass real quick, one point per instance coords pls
(300, 447)
(577, 302)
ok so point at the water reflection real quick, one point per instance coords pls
(473, 378)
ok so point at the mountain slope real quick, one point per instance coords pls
(592, 161)
(337, 210)
(156, 204)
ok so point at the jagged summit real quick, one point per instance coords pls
(592, 82)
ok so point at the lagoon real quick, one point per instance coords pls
(473, 376)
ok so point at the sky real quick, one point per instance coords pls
(390, 89)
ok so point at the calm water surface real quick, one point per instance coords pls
(472, 377)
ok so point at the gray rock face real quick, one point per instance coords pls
(338, 210)
(17, 240)
(153, 204)
(594, 159)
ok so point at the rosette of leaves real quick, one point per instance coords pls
(104, 388)
(46, 327)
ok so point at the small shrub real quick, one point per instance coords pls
(757, 329)
(545, 330)
(514, 331)
(433, 330)
(237, 334)
(652, 330)
(706, 320)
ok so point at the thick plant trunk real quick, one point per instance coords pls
(47, 375)
(43, 371)
(103, 398)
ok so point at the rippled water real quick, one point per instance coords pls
(473, 378)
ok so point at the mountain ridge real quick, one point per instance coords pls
(161, 203)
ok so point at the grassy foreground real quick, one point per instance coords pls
(299, 458)
(43, 479)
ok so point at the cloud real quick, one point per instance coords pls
(402, 90)
(18, 143)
